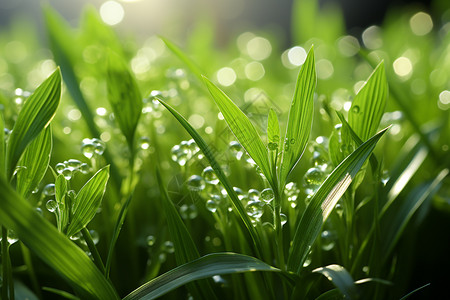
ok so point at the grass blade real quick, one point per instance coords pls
(237, 204)
(204, 267)
(324, 201)
(341, 278)
(368, 106)
(396, 225)
(243, 129)
(123, 96)
(2, 145)
(35, 161)
(273, 131)
(192, 66)
(186, 250)
(36, 114)
(88, 200)
(300, 117)
(52, 247)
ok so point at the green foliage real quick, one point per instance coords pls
(329, 197)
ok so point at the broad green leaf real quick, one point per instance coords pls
(273, 131)
(396, 225)
(34, 163)
(123, 96)
(209, 155)
(323, 202)
(368, 106)
(204, 267)
(88, 200)
(300, 117)
(193, 67)
(340, 277)
(35, 115)
(185, 249)
(44, 240)
(243, 130)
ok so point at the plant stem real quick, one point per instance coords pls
(279, 230)
(95, 255)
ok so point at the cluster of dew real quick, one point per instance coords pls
(165, 248)
(312, 180)
(68, 169)
(208, 185)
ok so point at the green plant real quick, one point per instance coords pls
(298, 189)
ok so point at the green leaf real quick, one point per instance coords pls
(368, 106)
(186, 250)
(333, 294)
(300, 117)
(34, 163)
(323, 202)
(204, 267)
(61, 293)
(88, 200)
(35, 115)
(117, 228)
(395, 226)
(340, 277)
(209, 155)
(123, 96)
(62, 44)
(52, 247)
(273, 131)
(243, 130)
(192, 66)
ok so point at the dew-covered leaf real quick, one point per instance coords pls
(34, 163)
(56, 250)
(203, 267)
(323, 202)
(239, 209)
(300, 117)
(341, 278)
(273, 131)
(35, 115)
(123, 96)
(243, 129)
(88, 200)
(368, 106)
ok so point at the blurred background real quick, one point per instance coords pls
(175, 18)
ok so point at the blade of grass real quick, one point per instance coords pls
(116, 232)
(88, 200)
(243, 130)
(368, 105)
(300, 117)
(203, 267)
(61, 293)
(192, 66)
(324, 201)
(2, 145)
(415, 199)
(51, 246)
(415, 291)
(60, 40)
(186, 250)
(341, 279)
(34, 161)
(36, 114)
(123, 96)
(237, 204)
